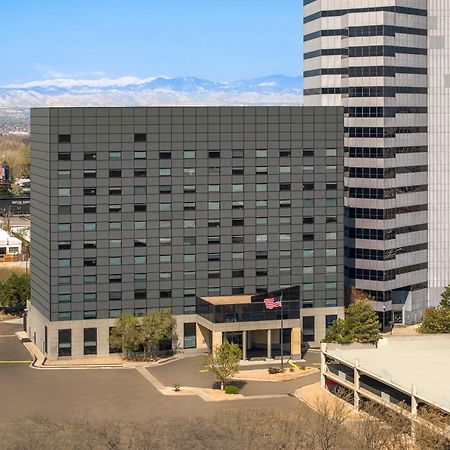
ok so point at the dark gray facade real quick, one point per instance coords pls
(141, 208)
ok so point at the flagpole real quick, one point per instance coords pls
(281, 299)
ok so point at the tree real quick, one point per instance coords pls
(126, 334)
(437, 320)
(445, 297)
(15, 291)
(155, 327)
(223, 362)
(360, 324)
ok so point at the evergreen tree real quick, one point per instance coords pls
(445, 297)
(337, 332)
(15, 291)
(435, 320)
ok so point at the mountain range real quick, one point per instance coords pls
(127, 91)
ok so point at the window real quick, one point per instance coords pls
(90, 297)
(140, 277)
(189, 154)
(308, 328)
(189, 206)
(115, 226)
(330, 202)
(261, 221)
(189, 172)
(213, 223)
(64, 298)
(90, 315)
(285, 153)
(237, 290)
(189, 223)
(91, 173)
(189, 275)
(189, 240)
(237, 171)
(331, 219)
(64, 315)
(237, 188)
(64, 263)
(165, 258)
(64, 209)
(261, 153)
(285, 169)
(115, 278)
(237, 239)
(165, 207)
(189, 258)
(90, 339)
(64, 280)
(308, 152)
(308, 237)
(117, 191)
(285, 271)
(90, 191)
(64, 338)
(115, 243)
(237, 273)
(284, 254)
(308, 220)
(116, 208)
(308, 169)
(140, 260)
(285, 187)
(64, 138)
(261, 187)
(64, 245)
(165, 189)
(331, 285)
(189, 292)
(261, 255)
(261, 272)
(140, 137)
(115, 295)
(213, 256)
(140, 242)
(237, 222)
(90, 262)
(166, 172)
(213, 205)
(165, 242)
(261, 238)
(285, 203)
(165, 224)
(90, 279)
(63, 227)
(308, 253)
(330, 252)
(166, 293)
(237, 204)
(237, 153)
(114, 314)
(330, 236)
(237, 255)
(308, 186)
(330, 168)
(92, 156)
(90, 226)
(213, 171)
(115, 156)
(189, 188)
(329, 320)
(115, 261)
(213, 187)
(115, 173)
(308, 203)
(261, 203)
(331, 302)
(64, 174)
(140, 294)
(140, 207)
(308, 270)
(214, 154)
(63, 156)
(331, 186)
(213, 274)
(331, 269)
(140, 173)
(285, 237)
(64, 192)
(138, 190)
(140, 155)
(166, 154)
(190, 335)
(330, 152)
(285, 220)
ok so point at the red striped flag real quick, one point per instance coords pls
(271, 303)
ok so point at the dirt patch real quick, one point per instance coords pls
(217, 394)
(106, 360)
(264, 375)
(4, 316)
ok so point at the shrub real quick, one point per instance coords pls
(176, 388)
(231, 389)
(274, 370)
(302, 367)
(291, 369)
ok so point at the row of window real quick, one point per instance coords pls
(371, 91)
(365, 51)
(191, 223)
(382, 214)
(191, 154)
(367, 71)
(382, 152)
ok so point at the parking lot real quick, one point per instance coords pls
(96, 393)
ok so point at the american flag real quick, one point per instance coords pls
(271, 303)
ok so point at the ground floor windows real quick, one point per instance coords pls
(65, 342)
(90, 341)
(190, 340)
(308, 329)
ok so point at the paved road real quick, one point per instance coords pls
(186, 372)
(97, 393)
(11, 348)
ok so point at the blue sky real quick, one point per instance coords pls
(220, 40)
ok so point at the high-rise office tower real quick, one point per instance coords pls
(371, 57)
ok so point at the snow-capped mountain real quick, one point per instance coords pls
(124, 91)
